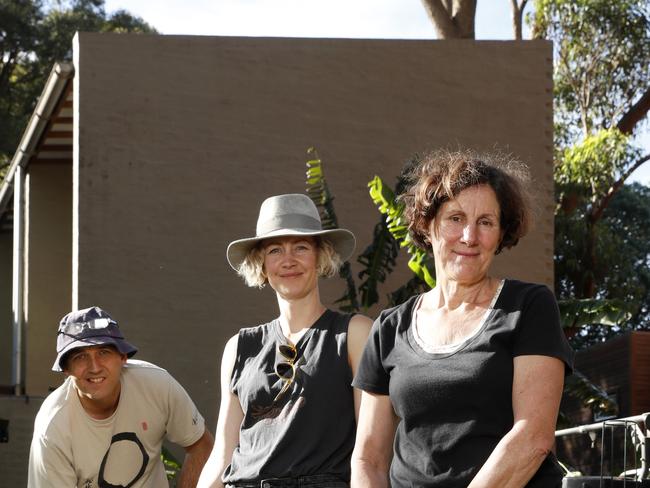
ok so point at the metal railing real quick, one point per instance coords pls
(637, 428)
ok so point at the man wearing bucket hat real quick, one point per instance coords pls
(288, 411)
(105, 425)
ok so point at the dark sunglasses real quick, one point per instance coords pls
(286, 370)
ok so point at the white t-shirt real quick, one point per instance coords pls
(71, 449)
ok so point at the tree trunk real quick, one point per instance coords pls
(589, 280)
(517, 17)
(452, 19)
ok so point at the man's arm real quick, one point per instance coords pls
(195, 457)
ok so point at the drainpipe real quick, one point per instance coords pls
(17, 310)
(47, 102)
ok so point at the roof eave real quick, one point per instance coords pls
(48, 101)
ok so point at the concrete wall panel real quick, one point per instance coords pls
(14, 454)
(48, 270)
(181, 138)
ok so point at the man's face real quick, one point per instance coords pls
(95, 371)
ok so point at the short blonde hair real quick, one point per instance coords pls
(252, 267)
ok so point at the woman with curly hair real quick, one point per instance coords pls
(462, 384)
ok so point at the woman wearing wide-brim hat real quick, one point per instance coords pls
(288, 410)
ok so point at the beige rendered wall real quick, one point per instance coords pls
(48, 272)
(181, 138)
(6, 332)
(20, 411)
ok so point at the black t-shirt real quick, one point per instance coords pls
(310, 429)
(455, 407)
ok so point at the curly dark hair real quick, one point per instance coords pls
(441, 175)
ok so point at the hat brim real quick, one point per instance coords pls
(121, 345)
(342, 240)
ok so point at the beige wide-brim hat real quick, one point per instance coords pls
(290, 215)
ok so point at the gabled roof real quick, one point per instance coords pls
(48, 136)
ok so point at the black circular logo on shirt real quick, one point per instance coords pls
(123, 436)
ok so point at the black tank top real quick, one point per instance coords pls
(311, 428)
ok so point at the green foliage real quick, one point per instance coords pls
(4, 165)
(601, 68)
(123, 22)
(590, 395)
(602, 59)
(379, 257)
(33, 36)
(319, 192)
(172, 465)
(412, 287)
(590, 167)
(19, 28)
(420, 262)
(578, 313)
(378, 260)
(622, 270)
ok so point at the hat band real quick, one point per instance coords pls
(72, 339)
(288, 221)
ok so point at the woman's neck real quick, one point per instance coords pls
(298, 315)
(452, 295)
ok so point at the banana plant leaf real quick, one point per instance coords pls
(576, 313)
(420, 262)
(319, 192)
(378, 260)
(589, 394)
(412, 287)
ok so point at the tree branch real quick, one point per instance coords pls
(441, 18)
(597, 213)
(517, 17)
(463, 17)
(635, 114)
(452, 19)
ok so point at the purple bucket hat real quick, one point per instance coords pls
(88, 327)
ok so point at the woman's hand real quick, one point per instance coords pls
(373, 449)
(536, 393)
(230, 419)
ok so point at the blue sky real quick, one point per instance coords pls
(374, 19)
